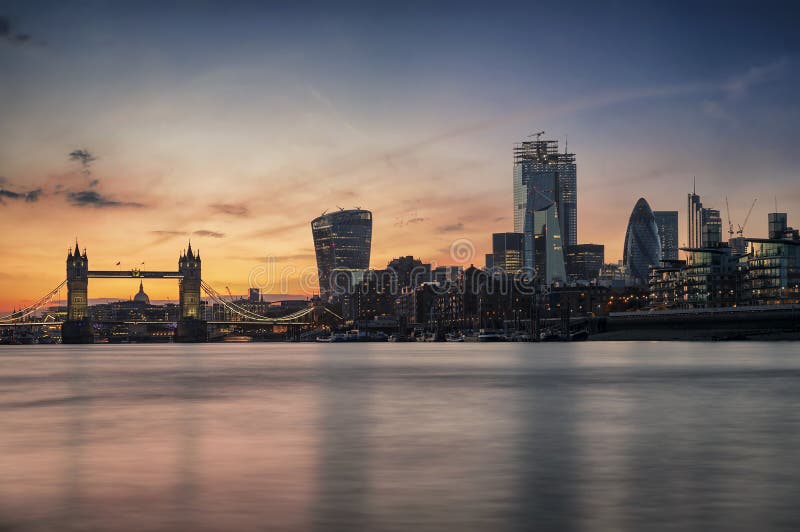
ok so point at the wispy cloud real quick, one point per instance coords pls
(450, 228)
(9, 35)
(210, 234)
(91, 198)
(30, 196)
(199, 232)
(739, 85)
(85, 158)
(723, 105)
(278, 230)
(240, 210)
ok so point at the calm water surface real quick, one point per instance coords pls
(592, 436)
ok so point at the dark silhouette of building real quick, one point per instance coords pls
(77, 285)
(409, 271)
(141, 298)
(583, 262)
(507, 251)
(189, 266)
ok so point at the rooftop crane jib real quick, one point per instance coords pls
(730, 224)
(740, 232)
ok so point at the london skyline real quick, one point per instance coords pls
(217, 124)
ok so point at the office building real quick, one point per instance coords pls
(507, 251)
(711, 234)
(583, 262)
(719, 276)
(776, 224)
(773, 266)
(642, 248)
(704, 226)
(694, 221)
(542, 178)
(667, 223)
(342, 242)
(539, 164)
(548, 250)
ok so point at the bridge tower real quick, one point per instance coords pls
(77, 329)
(191, 327)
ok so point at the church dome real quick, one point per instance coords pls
(141, 297)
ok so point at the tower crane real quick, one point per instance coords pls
(538, 135)
(730, 224)
(740, 232)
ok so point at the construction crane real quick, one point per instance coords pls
(538, 135)
(740, 232)
(730, 224)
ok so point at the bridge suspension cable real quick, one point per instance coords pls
(30, 309)
(247, 314)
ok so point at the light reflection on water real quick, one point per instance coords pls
(605, 436)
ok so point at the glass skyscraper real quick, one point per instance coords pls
(342, 241)
(584, 261)
(548, 250)
(545, 206)
(694, 220)
(667, 223)
(704, 226)
(507, 251)
(642, 245)
(539, 164)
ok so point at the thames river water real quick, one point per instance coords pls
(418, 437)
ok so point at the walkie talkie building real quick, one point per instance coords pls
(342, 242)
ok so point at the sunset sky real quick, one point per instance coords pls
(235, 124)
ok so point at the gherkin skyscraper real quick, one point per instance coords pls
(642, 243)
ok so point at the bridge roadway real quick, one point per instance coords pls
(133, 274)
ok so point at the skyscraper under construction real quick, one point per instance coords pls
(539, 164)
(545, 205)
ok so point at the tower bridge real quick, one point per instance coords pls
(191, 325)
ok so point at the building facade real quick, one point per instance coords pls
(548, 249)
(642, 248)
(538, 164)
(583, 262)
(711, 232)
(507, 251)
(773, 268)
(720, 276)
(342, 241)
(704, 226)
(667, 223)
(694, 221)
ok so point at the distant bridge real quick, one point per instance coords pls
(190, 286)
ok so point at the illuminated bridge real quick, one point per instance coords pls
(190, 327)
